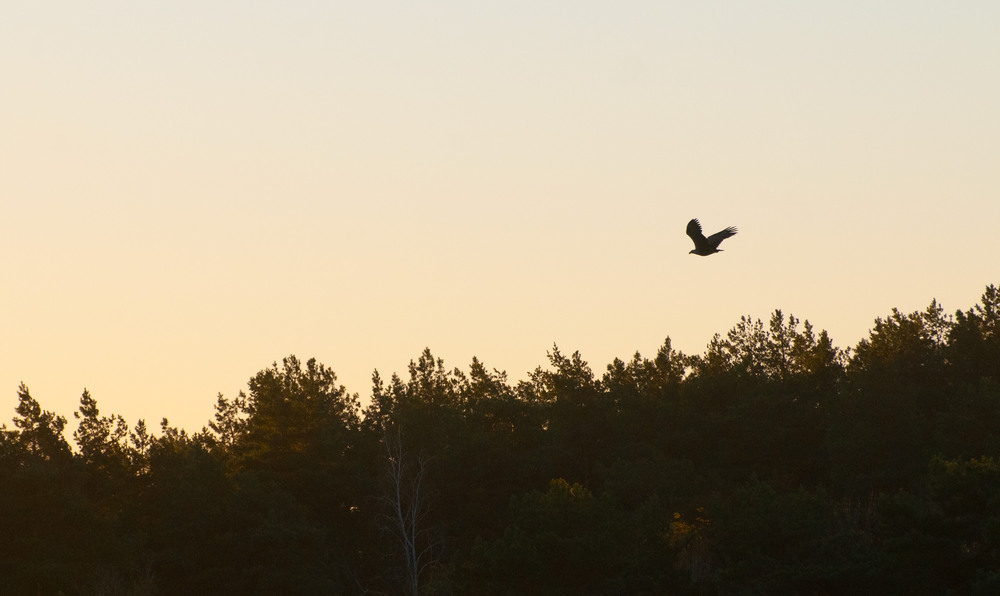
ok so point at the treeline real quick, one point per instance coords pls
(774, 463)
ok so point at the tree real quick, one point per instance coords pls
(407, 499)
(644, 389)
(904, 350)
(779, 351)
(298, 451)
(974, 340)
(230, 423)
(40, 431)
(577, 410)
(53, 533)
(450, 435)
(293, 414)
(103, 441)
(896, 391)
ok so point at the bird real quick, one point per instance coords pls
(706, 246)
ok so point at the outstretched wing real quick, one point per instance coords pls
(694, 231)
(715, 239)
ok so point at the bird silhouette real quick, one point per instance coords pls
(706, 246)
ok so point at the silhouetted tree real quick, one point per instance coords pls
(897, 387)
(40, 432)
(52, 535)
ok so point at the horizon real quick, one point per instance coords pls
(598, 369)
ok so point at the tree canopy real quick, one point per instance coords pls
(774, 462)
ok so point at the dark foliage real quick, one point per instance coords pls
(774, 463)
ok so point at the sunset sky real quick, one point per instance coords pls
(191, 191)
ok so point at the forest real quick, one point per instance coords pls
(773, 463)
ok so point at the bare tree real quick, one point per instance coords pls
(408, 501)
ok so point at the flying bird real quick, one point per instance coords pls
(706, 246)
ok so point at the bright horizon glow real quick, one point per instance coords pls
(190, 194)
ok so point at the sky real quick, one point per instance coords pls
(191, 191)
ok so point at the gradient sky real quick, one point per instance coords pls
(191, 191)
